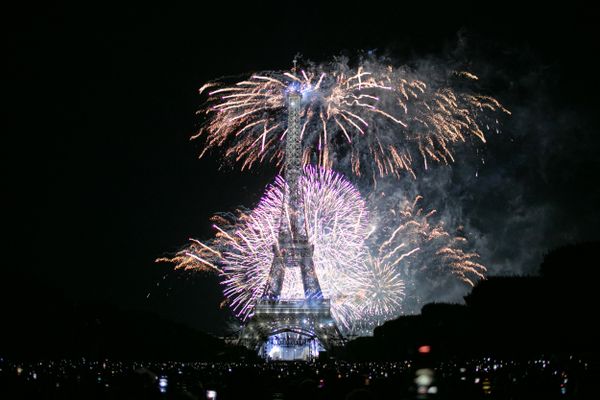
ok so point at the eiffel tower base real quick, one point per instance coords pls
(291, 329)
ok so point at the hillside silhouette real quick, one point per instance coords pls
(553, 312)
(40, 322)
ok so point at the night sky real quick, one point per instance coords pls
(102, 177)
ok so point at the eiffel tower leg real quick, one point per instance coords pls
(312, 288)
(276, 276)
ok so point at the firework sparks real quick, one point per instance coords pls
(379, 292)
(197, 257)
(375, 118)
(367, 271)
(421, 250)
(335, 219)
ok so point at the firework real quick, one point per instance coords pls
(412, 241)
(197, 257)
(373, 118)
(335, 220)
(367, 269)
(378, 292)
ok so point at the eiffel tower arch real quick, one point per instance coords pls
(292, 328)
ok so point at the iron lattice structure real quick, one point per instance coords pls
(309, 316)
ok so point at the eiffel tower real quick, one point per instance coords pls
(280, 323)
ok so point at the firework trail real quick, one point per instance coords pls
(373, 118)
(378, 294)
(197, 257)
(420, 248)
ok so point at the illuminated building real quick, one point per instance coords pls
(298, 328)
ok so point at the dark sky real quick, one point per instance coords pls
(102, 178)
